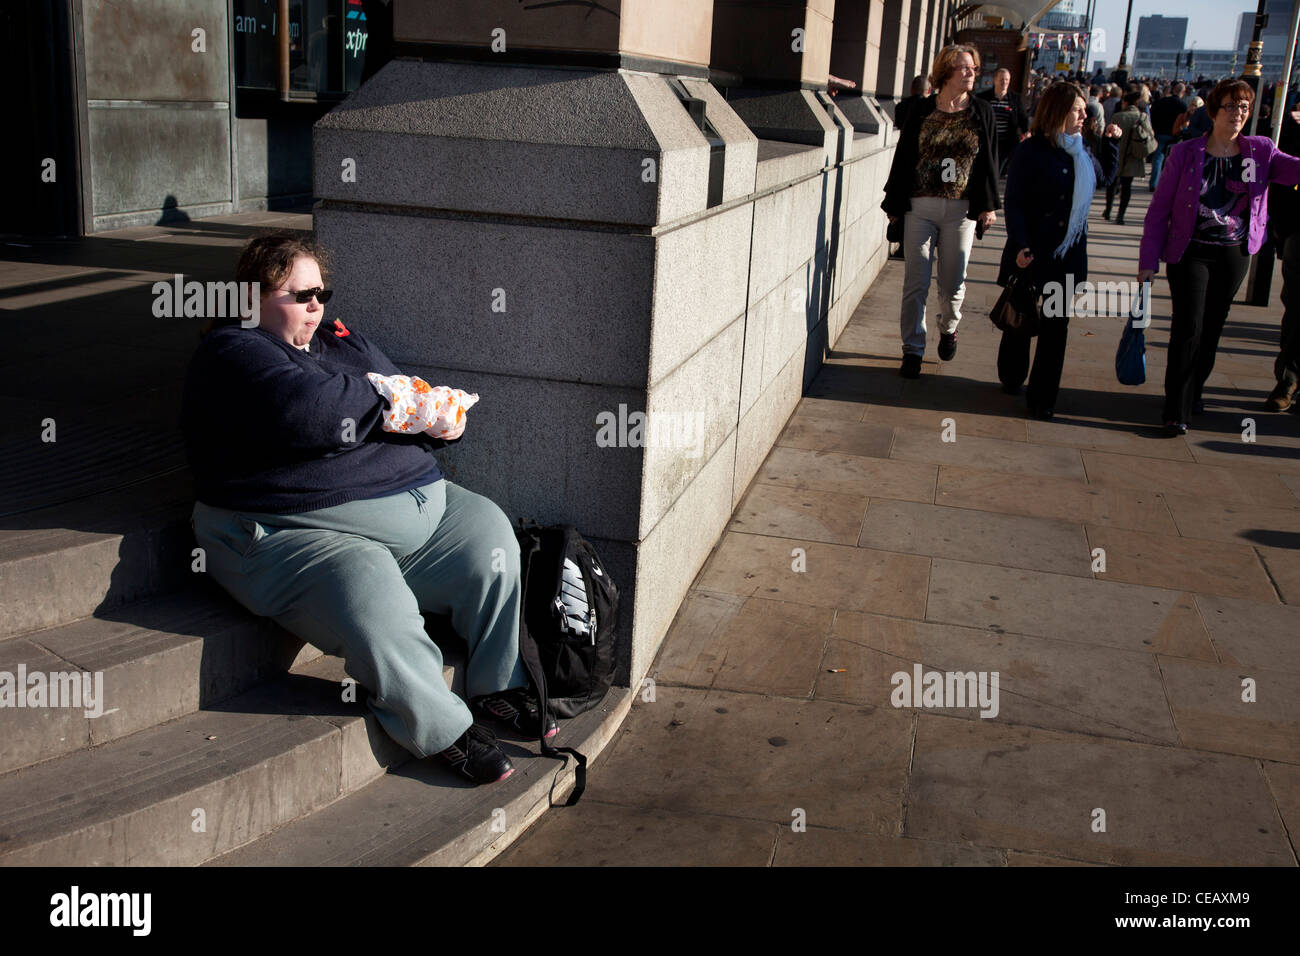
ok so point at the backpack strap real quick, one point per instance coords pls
(532, 661)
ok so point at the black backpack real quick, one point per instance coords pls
(566, 635)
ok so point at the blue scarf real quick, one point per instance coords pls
(1085, 184)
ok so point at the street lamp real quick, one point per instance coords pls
(1121, 71)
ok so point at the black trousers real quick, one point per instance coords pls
(1049, 359)
(1202, 285)
(1125, 186)
(1286, 369)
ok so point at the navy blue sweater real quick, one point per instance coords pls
(265, 429)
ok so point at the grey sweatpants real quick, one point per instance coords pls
(353, 579)
(934, 227)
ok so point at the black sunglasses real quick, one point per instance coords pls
(303, 296)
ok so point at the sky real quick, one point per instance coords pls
(1212, 24)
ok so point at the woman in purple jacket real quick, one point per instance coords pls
(1207, 218)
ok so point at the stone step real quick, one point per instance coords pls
(202, 785)
(419, 815)
(160, 659)
(63, 563)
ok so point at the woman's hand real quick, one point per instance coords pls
(1113, 131)
(460, 430)
(1023, 258)
(1145, 275)
(988, 218)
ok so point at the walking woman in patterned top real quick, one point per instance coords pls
(944, 179)
(1208, 216)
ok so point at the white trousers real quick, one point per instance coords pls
(934, 227)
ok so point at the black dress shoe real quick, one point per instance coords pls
(911, 367)
(1042, 414)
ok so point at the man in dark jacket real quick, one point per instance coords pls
(1284, 225)
(1164, 112)
(1009, 116)
(920, 90)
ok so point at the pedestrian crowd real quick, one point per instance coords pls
(1219, 196)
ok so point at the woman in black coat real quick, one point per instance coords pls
(1049, 189)
(943, 180)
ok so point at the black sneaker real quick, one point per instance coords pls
(911, 367)
(475, 755)
(947, 346)
(517, 709)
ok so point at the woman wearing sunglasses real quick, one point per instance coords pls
(1208, 216)
(310, 512)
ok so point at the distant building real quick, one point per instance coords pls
(1160, 33)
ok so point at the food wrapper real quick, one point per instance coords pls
(416, 406)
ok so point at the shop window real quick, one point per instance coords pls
(328, 42)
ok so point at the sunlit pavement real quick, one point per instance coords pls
(1135, 596)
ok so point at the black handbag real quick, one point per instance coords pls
(1017, 307)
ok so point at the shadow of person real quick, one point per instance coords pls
(171, 211)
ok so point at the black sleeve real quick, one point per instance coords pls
(902, 171)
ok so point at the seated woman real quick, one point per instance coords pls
(313, 514)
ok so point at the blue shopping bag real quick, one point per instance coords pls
(1131, 356)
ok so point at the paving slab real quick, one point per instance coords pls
(752, 645)
(1262, 487)
(1283, 566)
(601, 834)
(1249, 634)
(1042, 682)
(817, 846)
(837, 435)
(1128, 616)
(835, 575)
(987, 454)
(1284, 783)
(848, 474)
(1235, 522)
(1292, 482)
(1121, 438)
(964, 423)
(1213, 709)
(830, 408)
(1040, 790)
(1205, 567)
(982, 536)
(800, 513)
(1043, 497)
(762, 758)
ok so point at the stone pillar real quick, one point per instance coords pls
(782, 52)
(787, 42)
(653, 33)
(890, 82)
(918, 24)
(554, 226)
(855, 53)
